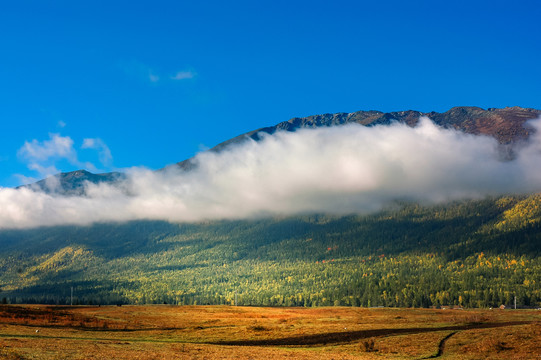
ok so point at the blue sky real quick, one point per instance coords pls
(106, 85)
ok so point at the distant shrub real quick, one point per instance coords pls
(368, 345)
(258, 328)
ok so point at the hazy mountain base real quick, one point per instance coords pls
(477, 253)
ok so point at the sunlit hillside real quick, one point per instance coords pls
(477, 253)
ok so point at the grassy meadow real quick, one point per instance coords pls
(227, 332)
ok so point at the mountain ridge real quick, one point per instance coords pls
(72, 182)
(505, 124)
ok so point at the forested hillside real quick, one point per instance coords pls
(475, 253)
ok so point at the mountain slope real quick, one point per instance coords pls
(475, 253)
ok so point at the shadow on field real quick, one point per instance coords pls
(350, 336)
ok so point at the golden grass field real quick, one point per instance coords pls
(223, 332)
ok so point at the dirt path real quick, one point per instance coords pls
(441, 346)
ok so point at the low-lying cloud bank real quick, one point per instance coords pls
(339, 170)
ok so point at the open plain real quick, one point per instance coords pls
(226, 332)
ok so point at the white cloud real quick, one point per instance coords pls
(203, 147)
(56, 146)
(338, 170)
(25, 179)
(41, 156)
(142, 71)
(48, 170)
(138, 70)
(181, 75)
(153, 78)
(104, 152)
